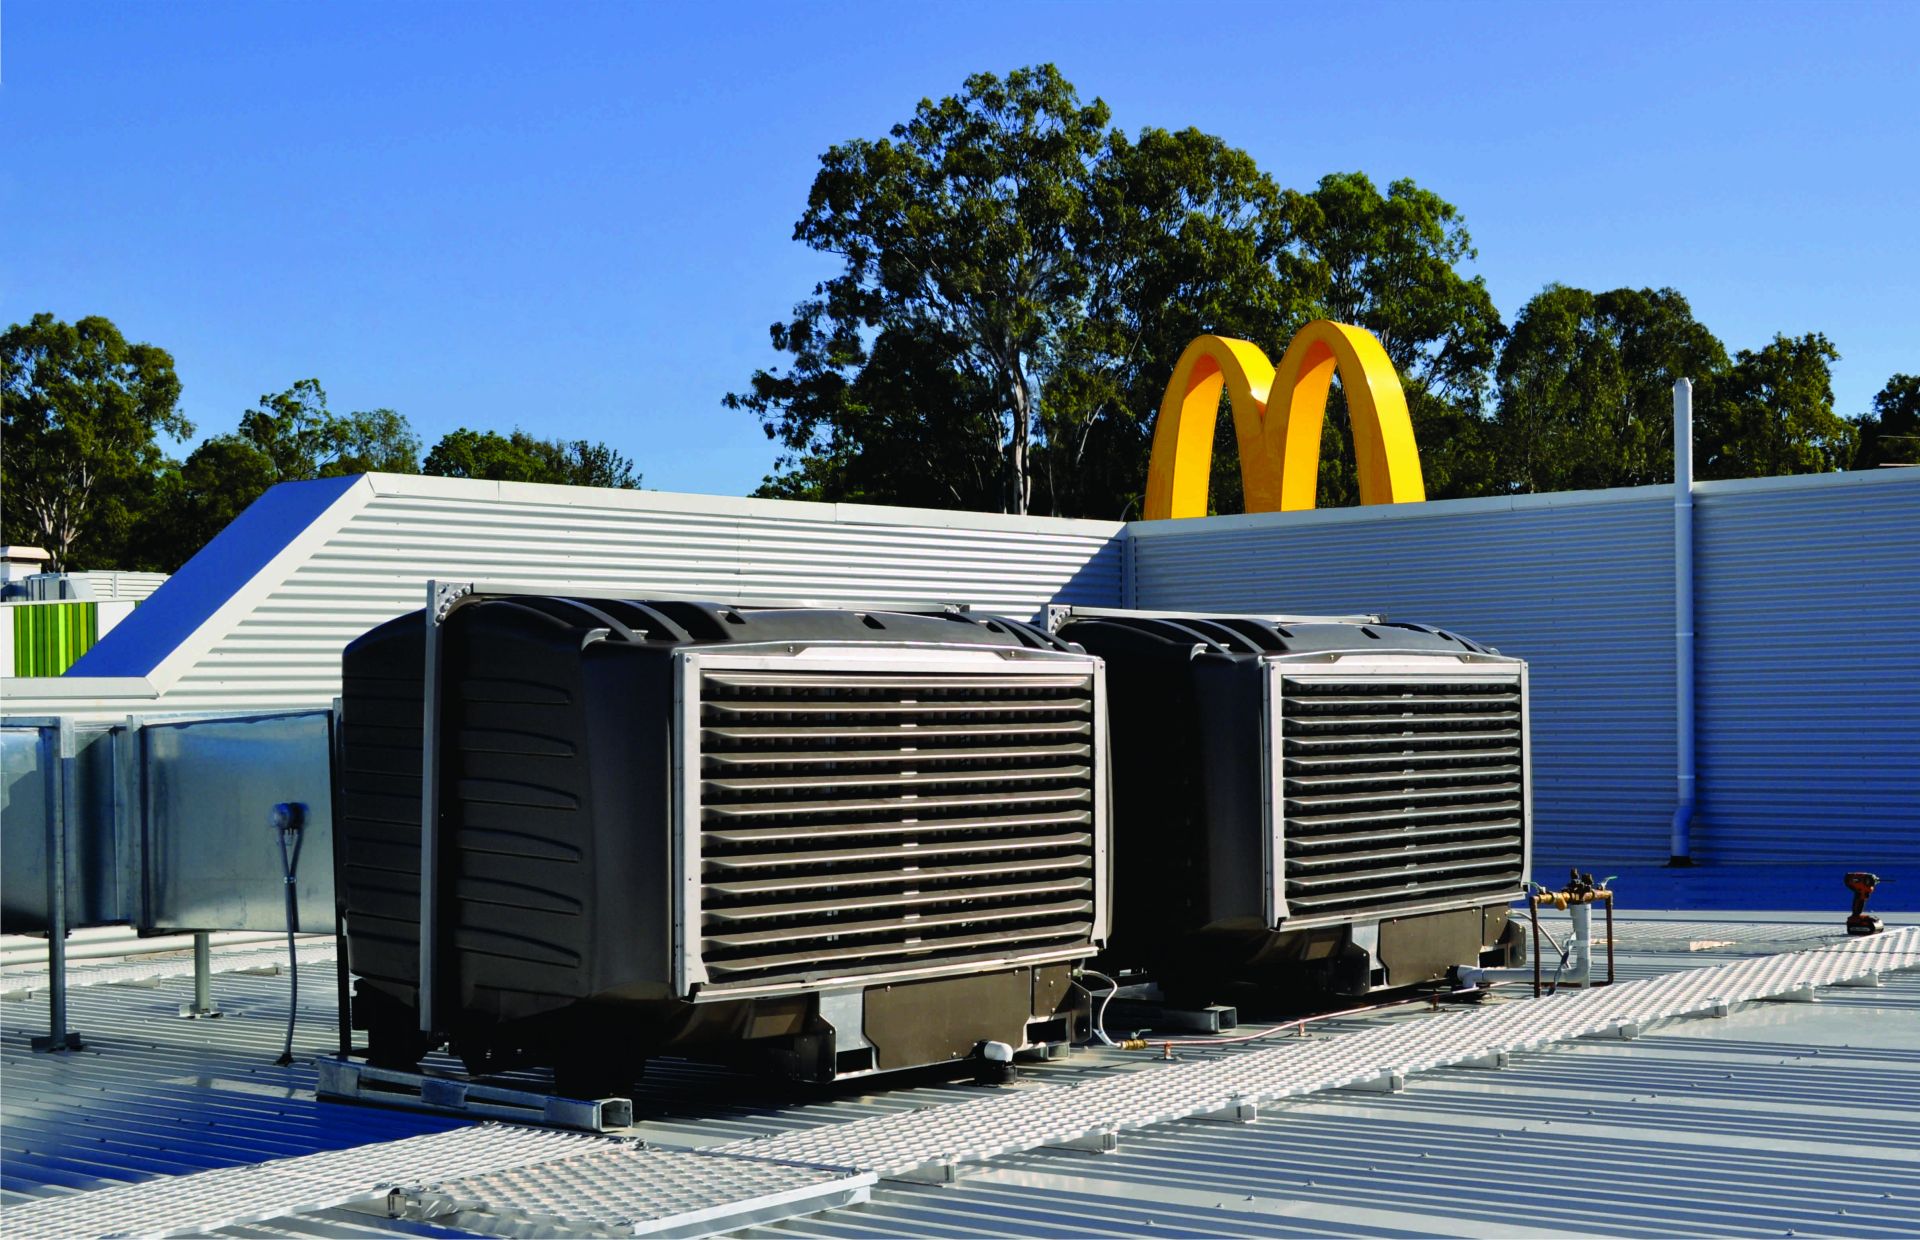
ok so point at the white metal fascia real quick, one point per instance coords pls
(617, 499)
(1426, 510)
(1908, 475)
(76, 696)
(14, 689)
(274, 573)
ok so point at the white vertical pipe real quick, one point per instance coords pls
(1681, 852)
(1579, 966)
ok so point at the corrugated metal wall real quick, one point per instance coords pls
(120, 583)
(1809, 589)
(1808, 613)
(1579, 584)
(49, 637)
(1808, 647)
(286, 651)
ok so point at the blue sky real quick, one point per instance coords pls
(577, 218)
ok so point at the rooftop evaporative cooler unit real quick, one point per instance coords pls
(842, 841)
(1340, 804)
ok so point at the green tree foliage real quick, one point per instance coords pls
(194, 501)
(1771, 412)
(81, 411)
(83, 474)
(520, 457)
(1585, 386)
(1182, 240)
(303, 439)
(957, 239)
(1017, 280)
(290, 436)
(1890, 435)
(1391, 263)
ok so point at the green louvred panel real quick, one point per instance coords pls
(48, 638)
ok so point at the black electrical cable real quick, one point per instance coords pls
(289, 819)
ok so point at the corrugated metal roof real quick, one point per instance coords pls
(1787, 1120)
(1775, 1118)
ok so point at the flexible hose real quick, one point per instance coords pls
(1100, 1013)
(290, 865)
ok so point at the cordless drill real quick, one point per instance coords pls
(1861, 884)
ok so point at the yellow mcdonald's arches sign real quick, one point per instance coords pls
(1277, 415)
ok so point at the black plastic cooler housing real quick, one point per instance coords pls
(1402, 837)
(561, 730)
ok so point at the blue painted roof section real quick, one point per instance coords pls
(168, 616)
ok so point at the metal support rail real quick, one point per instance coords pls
(152, 967)
(343, 1079)
(931, 1145)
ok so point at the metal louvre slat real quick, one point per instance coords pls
(1455, 854)
(915, 924)
(898, 875)
(1407, 796)
(1315, 744)
(916, 827)
(892, 731)
(915, 753)
(884, 779)
(864, 706)
(901, 899)
(1408, 815)
(1310, 706)
(1408, 759)
(865, 821)
(905, 804)
(1423, 775)
(848, 958)
(1446, 831)
(1383, 898)
(1378, 721)
(943, 682)
(1400, 791)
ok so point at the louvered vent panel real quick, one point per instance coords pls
(857, 822)
(1402, 794)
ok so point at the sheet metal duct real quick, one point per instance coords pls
(163, 824)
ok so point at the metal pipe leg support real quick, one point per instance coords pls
(62, 796)
(203, 1006)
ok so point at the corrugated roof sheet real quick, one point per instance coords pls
(1777, 1118)
(1789, 1120)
